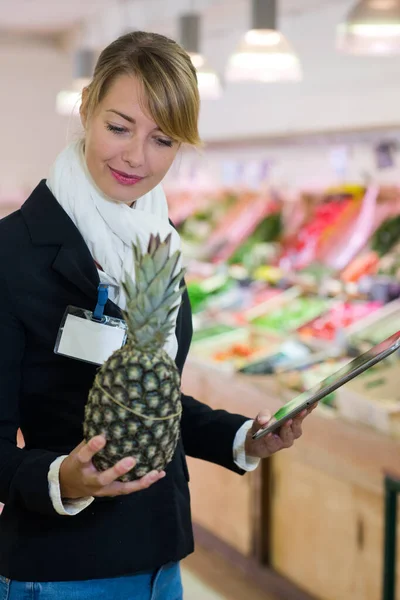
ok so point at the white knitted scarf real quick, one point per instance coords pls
(107, 226)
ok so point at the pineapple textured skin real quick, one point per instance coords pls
(135, 402)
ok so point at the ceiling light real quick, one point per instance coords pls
(68, 101)
(264, 54)
(208, 81)
(84, 61)
(372, 27)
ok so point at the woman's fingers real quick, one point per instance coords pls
(85, 452)
(118, 488)
(104, 478)
(273, 443)
(80, 478)
(297, 428)
(286, 434)
(263, 418)
(104, 483)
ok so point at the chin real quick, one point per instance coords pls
(130, 200)
(117, 195)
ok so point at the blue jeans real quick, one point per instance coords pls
(164, 584)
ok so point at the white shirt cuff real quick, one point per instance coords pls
(67, 507)
(247, 463)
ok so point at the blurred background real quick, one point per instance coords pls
(290, 221)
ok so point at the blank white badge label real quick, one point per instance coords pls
(89, 341)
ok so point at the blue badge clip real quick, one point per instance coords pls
(102, 297)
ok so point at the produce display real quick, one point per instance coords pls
(237, 351)
(389, 264)
(319, 279)
(268, 230)
(375, 332)
(238, 225)
(386, 236)
(293, 315)
(210, 332)
(284, 356)
(198, 215)
(202, 292)
(373, 398)
(340, 316)
(302, 249)
(362, 266)
(254, 300)
(232, 348)
(304, 379)
(237, 298)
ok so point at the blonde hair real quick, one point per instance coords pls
(168, 77)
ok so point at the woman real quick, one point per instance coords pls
(68, 531)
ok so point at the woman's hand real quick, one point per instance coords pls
(79, 477)
(273, 442)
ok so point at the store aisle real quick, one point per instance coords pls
(196, 589)
(207, 576)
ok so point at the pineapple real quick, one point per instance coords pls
(135, 398)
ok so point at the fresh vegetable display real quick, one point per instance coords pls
(361, 266)
(236, 351)
(269, 230)
(339, 316)
(201, 292)
(386, 236)
(210, 332)
(302, 250)
(291, 316)
(389, 264)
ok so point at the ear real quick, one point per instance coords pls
(83, 107)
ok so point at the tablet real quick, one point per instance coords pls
(331, 383)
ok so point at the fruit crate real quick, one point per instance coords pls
(334, 325)
(271, 304)
(373, 399)
(376, 326)
(232, 350)
(292, 314)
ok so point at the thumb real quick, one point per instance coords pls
(77, 448)
(262, 419)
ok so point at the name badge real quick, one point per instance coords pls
(90, 336)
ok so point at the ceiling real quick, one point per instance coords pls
(49, 17)
(46, 16)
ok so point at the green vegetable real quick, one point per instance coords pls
(386, 236)
(269, 230)
(291, 316)
(200, 293)
(203, 334)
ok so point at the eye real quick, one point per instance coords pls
(164, 142)
(115, 129)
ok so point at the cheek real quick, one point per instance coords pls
(100, 146)
(161, 161)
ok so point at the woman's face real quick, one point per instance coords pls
(126, 153)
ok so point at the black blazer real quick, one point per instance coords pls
(45, 266)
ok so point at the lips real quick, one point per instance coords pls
(125, 178)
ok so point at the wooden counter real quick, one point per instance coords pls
(311, 519)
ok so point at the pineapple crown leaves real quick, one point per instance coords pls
(153, 297)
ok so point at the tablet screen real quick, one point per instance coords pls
(352, 369)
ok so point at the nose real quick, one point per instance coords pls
(134, 153)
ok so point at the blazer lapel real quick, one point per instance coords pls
(49, 225)
(68, 263)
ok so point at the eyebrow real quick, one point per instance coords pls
(127, 117)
